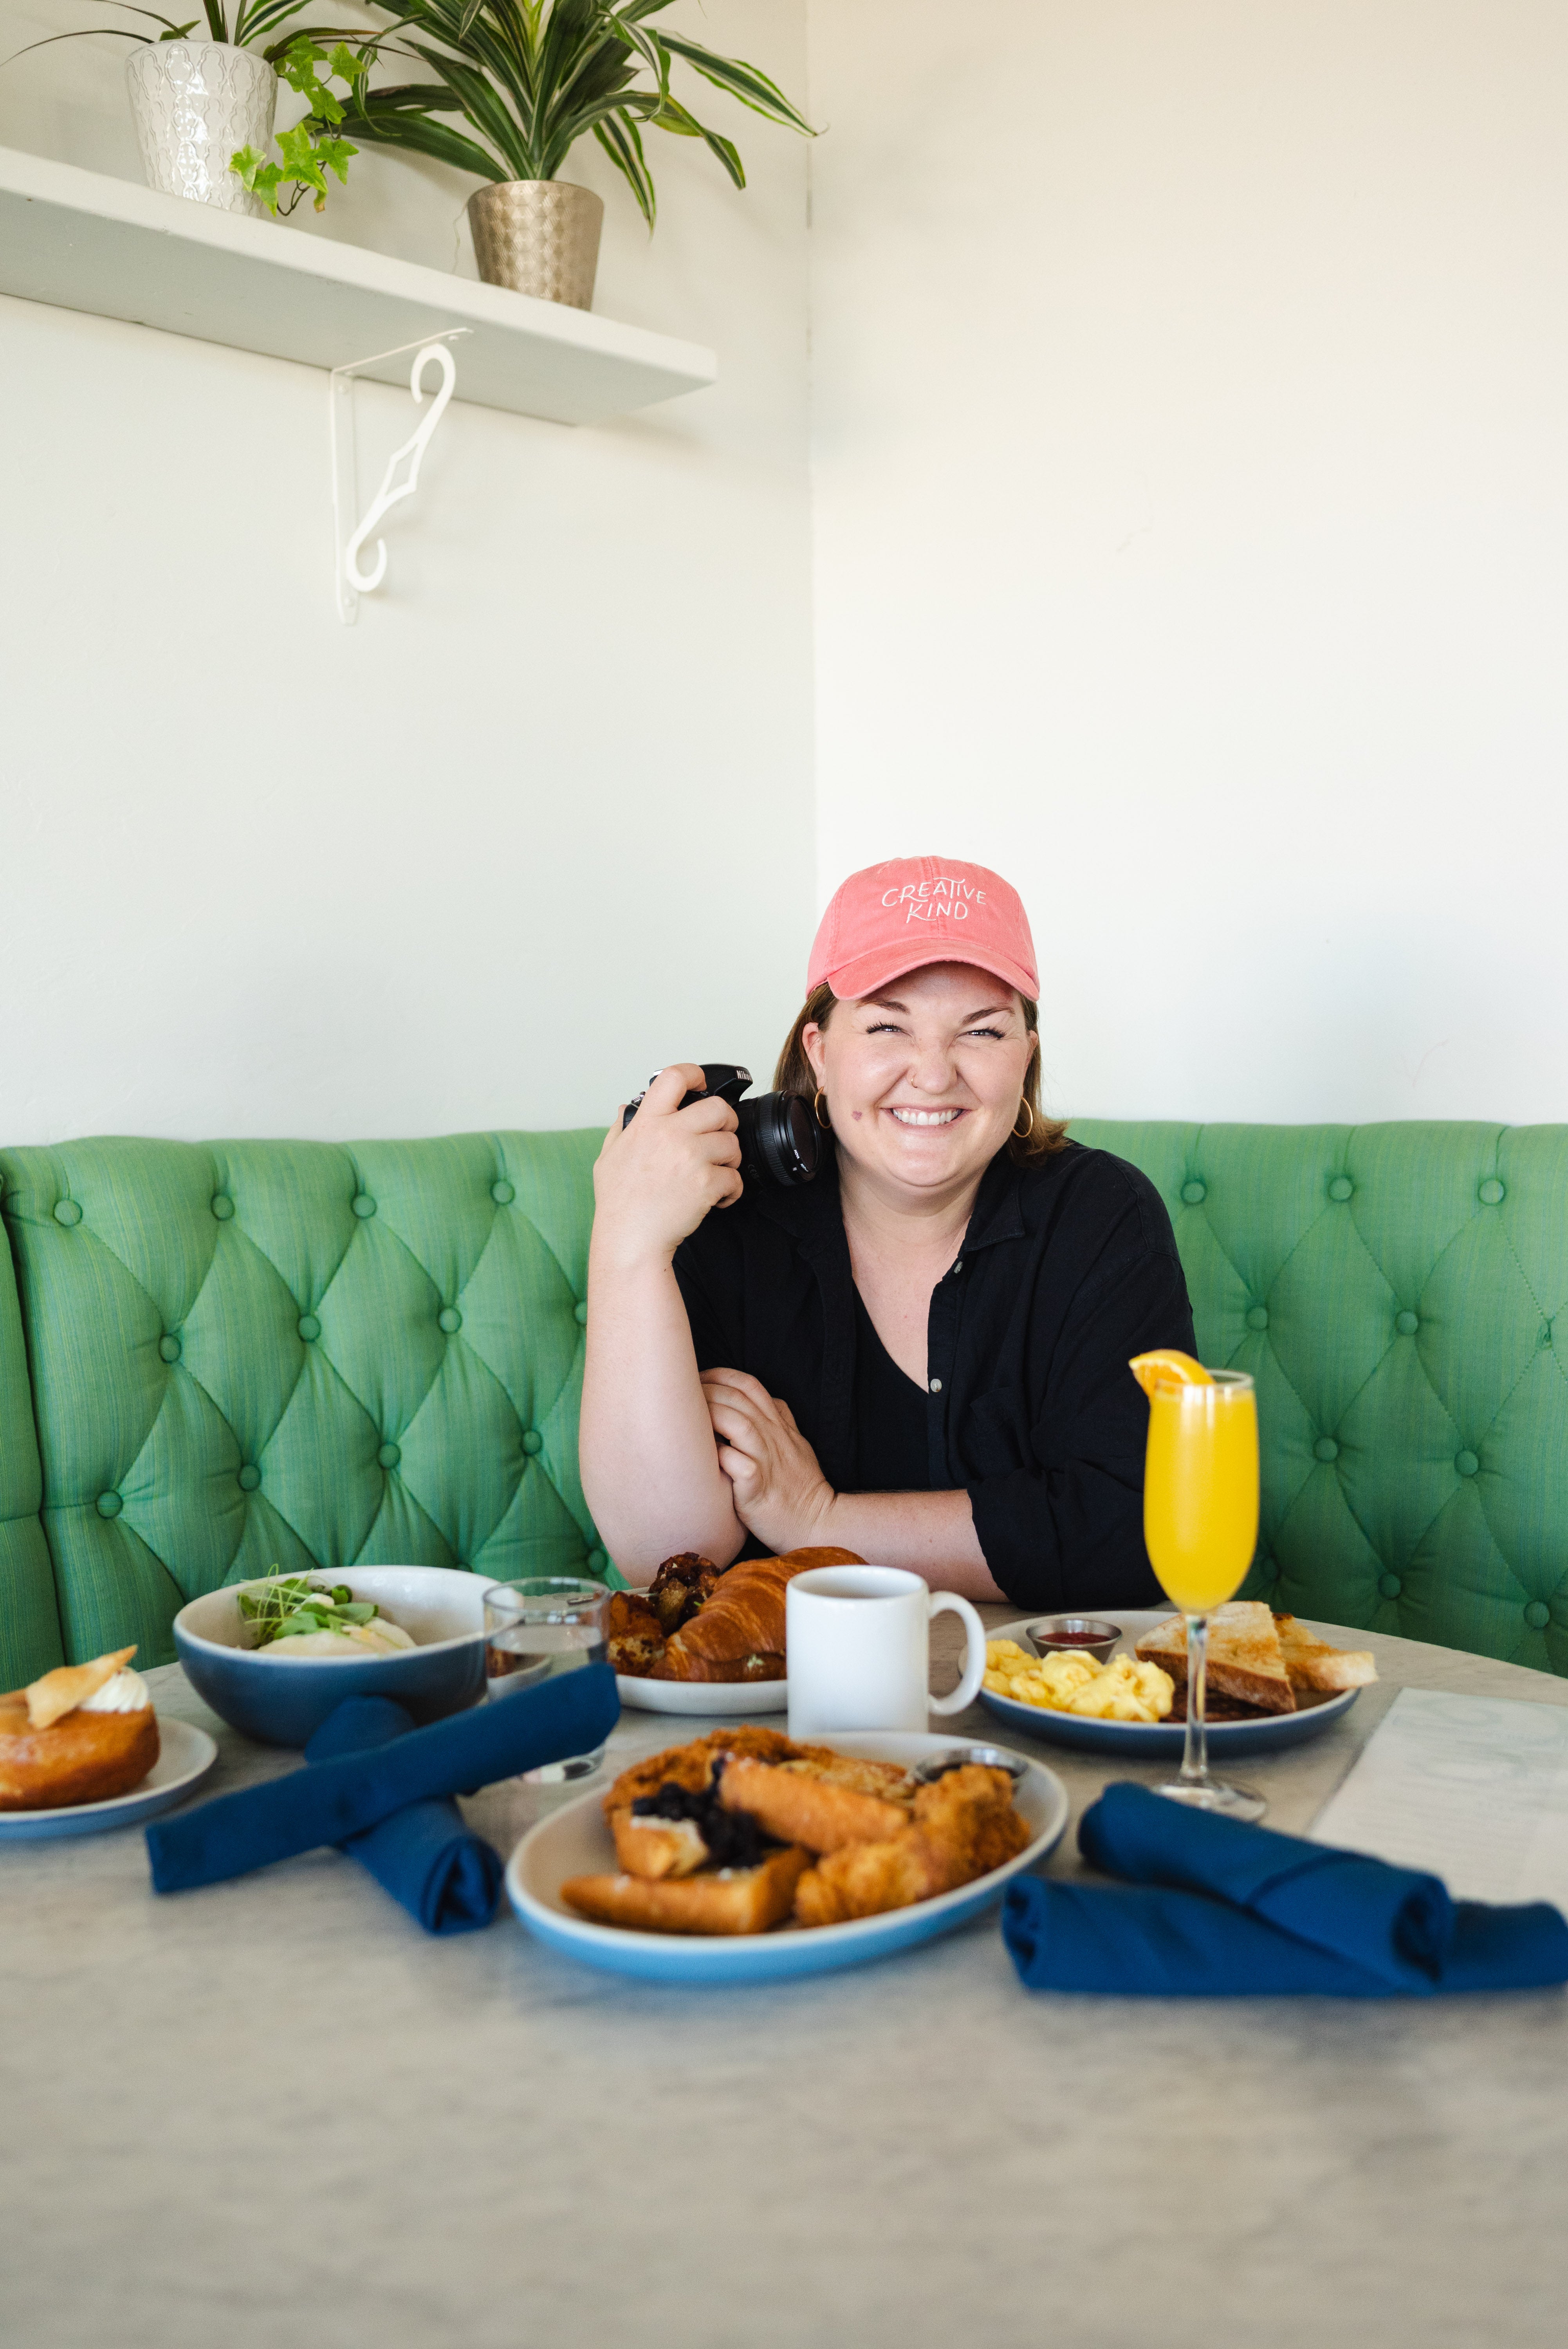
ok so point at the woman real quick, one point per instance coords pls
(923, 1356)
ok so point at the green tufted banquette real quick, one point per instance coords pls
(245, 1354)
(275, 1353)
(1395, 1292)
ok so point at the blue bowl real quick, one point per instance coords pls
(285, 1703)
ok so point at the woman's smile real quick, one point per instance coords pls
(924, 1117)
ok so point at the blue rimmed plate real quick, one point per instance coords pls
(576, 1841)
(1160, 1740)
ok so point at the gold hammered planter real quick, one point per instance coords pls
(539, 237)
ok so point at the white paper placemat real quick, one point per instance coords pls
(1474, 1789)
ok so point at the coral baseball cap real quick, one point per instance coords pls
(895, 917)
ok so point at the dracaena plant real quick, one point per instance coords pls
(530, 78)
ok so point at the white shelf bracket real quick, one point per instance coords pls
(351, 579)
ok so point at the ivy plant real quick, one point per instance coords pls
(313, 147)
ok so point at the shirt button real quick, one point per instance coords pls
(936, 1386)
(958, 1267)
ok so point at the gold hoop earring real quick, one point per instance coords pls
(819, 1112)
(1028, 1110)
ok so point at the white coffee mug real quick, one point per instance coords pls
(860, 1653)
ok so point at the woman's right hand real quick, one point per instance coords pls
(656, 1178)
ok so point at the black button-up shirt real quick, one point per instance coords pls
(1068, 1267)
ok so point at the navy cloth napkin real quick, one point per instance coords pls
(444, 1874)
(327, 1802)
(1217, 1909)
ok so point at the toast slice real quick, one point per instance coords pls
(1311, 1663)
(730, 1900)
(1245, 1658)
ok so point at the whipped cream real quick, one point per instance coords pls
(126, 1693)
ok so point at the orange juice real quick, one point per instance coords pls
(1200, 1490)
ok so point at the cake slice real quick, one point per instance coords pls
(1246, 1660)
(1311, 1663)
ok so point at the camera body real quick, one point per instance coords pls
(781, 1141)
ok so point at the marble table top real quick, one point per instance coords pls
(274, 2113)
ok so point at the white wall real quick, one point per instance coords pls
(540, 821)
(1192, 525)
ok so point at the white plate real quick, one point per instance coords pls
(715, 1697)
(1158, 1740)
(186, 1755)
(576, 1841)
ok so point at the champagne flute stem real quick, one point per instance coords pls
(1195, 1753)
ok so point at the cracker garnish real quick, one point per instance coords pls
(69, 1685)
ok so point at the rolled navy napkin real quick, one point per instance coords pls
(442, 1873)
(327, 1802)
(1218, 1908)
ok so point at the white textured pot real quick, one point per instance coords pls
(194, 102)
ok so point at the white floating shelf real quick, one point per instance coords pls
(82, 241)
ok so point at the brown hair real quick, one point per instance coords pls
(794, 1075)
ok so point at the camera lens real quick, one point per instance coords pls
(780, 1140)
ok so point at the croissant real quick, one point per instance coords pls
(740, 1633)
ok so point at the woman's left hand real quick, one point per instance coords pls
(780, 1491)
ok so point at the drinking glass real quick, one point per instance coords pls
(534, 1629)
(1201, 1525)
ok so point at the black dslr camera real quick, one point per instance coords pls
(781, 1141)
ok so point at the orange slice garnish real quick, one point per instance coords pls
(1169, 1369)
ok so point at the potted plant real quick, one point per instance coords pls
(528, 78)
(203, 110)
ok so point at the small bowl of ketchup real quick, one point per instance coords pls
(1076, 1635)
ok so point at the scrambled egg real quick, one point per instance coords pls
(1123, 1689)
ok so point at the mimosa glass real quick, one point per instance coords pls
(1201, 1525)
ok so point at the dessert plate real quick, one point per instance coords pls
(187, 1755)
(576, 1841)
(1158, 1740)
(716, 1698)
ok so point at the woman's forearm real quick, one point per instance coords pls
(649, 1465)
(932, 1533)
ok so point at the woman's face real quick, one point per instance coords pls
(923, 1081)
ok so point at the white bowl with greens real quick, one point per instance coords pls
(276, 1656)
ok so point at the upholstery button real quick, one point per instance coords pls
(936, 1386)
(250, 1477)
(533, 1442)
(503, 1194)
(1341, 1188)
(1326, 1448)
(67, 1212)
(309, 1328)
(388, 1457)
(1258, 1319)
(1194, 1193)
(448, 1319)
(1406, 1324)
(1538, 1615)
(1389, 1585)
(1466, 1463)
(1491, 1193)
(108, 1505)
(364, 1207)
(223, 1205)
(598, 1561)
(168, 1348)
(581, 1315)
